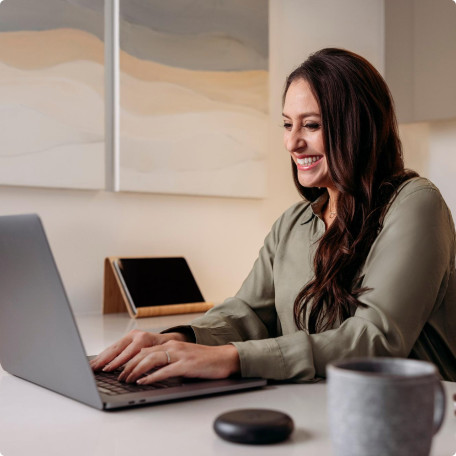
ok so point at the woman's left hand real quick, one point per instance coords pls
(181, 359)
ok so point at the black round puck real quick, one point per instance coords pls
(254, 426)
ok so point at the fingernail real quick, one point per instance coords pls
(140, 381)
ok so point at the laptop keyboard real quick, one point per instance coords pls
(107, 383)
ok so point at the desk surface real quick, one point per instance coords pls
(44, 423)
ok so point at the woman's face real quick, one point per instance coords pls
(303, 135)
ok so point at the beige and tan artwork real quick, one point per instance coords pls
(51, 95)
(193, 98)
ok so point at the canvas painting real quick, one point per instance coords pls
(52, 93)
(194, 96)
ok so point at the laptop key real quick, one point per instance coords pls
(105, 390)
(108, 383)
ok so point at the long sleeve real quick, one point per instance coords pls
(251, 314)
(410, 276)
(253, 320)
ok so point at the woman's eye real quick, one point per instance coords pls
(312, 126)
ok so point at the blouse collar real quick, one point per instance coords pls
(316, 207)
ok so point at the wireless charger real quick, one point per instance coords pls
(254, 426)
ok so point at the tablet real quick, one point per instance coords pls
(149, 282)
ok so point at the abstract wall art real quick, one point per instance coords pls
(52, 93)
(188, 115)
(194, 96)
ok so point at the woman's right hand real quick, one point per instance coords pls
(129, 346)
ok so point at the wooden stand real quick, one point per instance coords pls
(115, 299)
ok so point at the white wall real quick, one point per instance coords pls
(442, 159)
(430, 149)
(420, 59)
(219, 236)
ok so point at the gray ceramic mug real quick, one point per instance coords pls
(384, 406)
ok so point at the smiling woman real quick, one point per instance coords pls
(363, 266)
(303, 136)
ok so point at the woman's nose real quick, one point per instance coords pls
(294, 140)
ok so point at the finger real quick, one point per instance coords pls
(151, 361)
(139, 340)
(131, 364)
(171, 370)
(109, 354)
(128, 354)
(136, 338)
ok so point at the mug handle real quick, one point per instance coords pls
(439, 406)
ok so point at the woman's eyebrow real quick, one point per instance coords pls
(304, 115)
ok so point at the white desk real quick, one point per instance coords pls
(44, 423)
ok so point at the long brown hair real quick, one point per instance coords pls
(365, 162)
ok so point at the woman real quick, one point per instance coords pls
(364, 266)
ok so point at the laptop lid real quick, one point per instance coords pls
(39, 339)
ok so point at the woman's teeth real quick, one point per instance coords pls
(307, 160)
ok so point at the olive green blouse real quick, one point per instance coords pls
(409, 310)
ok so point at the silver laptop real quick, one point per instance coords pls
(39, 339)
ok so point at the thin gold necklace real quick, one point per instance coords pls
(332, 213)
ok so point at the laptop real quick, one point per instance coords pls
(39, 338)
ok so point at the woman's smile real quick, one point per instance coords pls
(307, 162)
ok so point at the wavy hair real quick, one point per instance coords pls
(364, 156)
